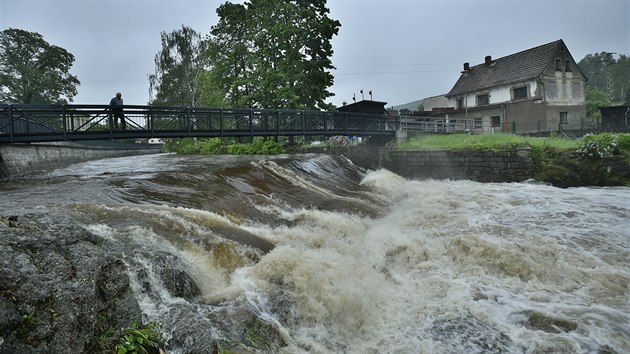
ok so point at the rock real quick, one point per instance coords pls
(174, 275)
(64, 287)
(550, 324)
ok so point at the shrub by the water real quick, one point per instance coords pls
(214, 146)
(599, 146)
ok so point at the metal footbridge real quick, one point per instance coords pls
(21, 123)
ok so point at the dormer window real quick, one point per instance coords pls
(567, 65)
(520, 93)
(483, 100)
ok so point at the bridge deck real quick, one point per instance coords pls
(39, 123)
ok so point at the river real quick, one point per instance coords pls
(339, 259)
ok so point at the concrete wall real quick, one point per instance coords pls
(19, 159)
(475, 165)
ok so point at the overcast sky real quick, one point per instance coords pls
(402, 50)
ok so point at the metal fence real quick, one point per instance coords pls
(30, 123)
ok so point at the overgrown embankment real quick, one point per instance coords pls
(593, 160)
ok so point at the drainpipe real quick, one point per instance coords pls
(466, 103)
(505, 120)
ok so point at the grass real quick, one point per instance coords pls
(486, 141)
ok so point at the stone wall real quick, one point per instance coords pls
(19, 159)
(476, 165)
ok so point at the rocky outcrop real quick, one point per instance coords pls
(61, 290)
(64, 289)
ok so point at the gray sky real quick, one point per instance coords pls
(402, 50)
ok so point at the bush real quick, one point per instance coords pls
(598, 146)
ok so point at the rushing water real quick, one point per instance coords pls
(344, 260)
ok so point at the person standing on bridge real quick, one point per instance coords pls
(116, 105)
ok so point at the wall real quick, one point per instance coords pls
(476, 165)
(19, 159)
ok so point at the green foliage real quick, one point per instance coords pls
(598, 146)
(595, 98)
(34, 71)
(485, 141)
(190, 146)
(142, 339)
(258, 146)
(623, 139)
(608, 74)
(280, 59)
(180, 71)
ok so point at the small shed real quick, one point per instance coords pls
(615, 118)
(365, 106)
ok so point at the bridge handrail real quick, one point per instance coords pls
(46, 122)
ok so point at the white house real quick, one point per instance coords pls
(537, 90)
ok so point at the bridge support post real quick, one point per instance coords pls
(401, 137)
(65, 123)
(11, 124)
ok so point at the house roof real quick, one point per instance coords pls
(364, 106)
(513, 68)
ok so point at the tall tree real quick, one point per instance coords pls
(180, 69)
(274, 53)
(34, 71)
(607, 73)
(229, 51)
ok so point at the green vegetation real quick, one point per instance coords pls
(603, 145)
(608, 73)
(558, 160)
(34, 71)
(487, 142)
(214, 146)
(280, 59)
(142, 339)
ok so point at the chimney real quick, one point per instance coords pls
(488, 60)
(466, 66)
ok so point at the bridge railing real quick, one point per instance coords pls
(30, 123)
(440, 125)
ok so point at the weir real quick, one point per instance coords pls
(17, 159)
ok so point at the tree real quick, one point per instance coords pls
(595, 98)
(229, 51)
(280, 59)
(607, 73)
(180, 70)
(34, 71)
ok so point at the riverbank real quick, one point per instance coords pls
(19, 159)
(558, 168)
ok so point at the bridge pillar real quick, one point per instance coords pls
(401, 137)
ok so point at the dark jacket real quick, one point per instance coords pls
(116, 103)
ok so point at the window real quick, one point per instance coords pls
(564, 117)
(558, 66)
(567, 65)
(460, 103)
(477, 122)
(496, 121)
(483, 100)
(520, 93)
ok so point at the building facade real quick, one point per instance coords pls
(537, 90)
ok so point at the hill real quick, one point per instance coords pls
(412, 106)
